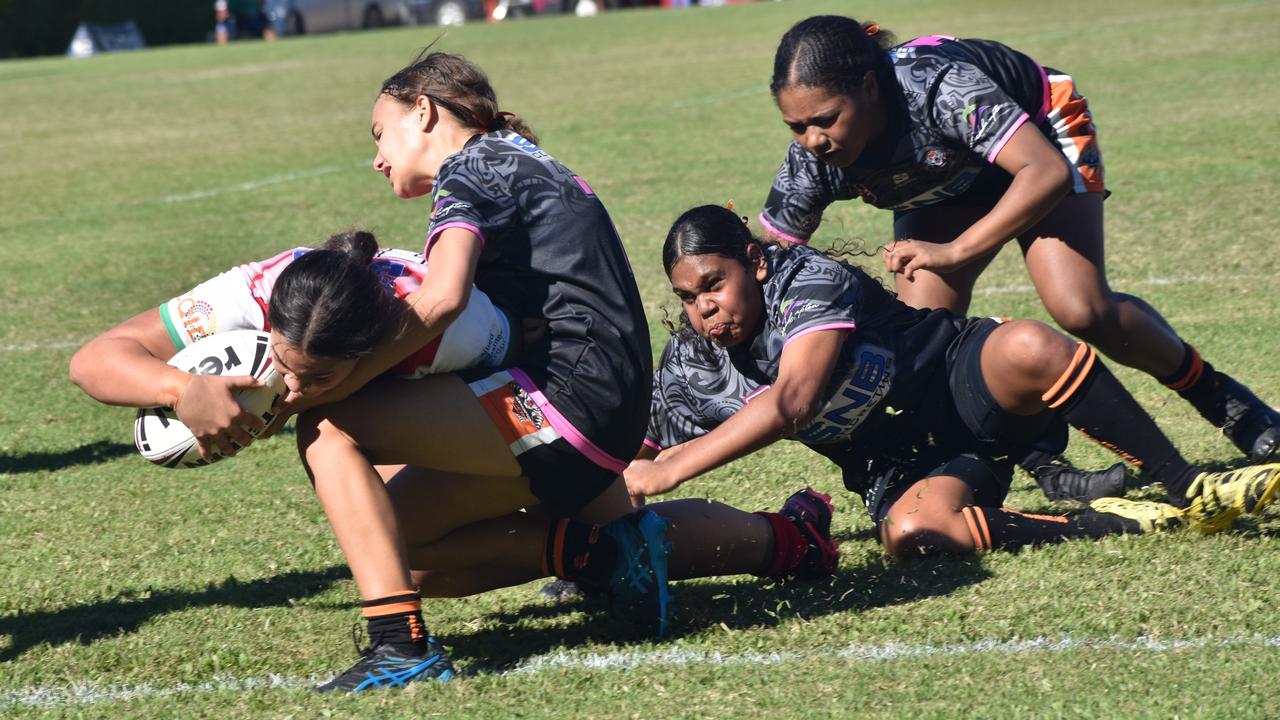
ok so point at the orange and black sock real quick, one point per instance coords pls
(1196, 381)
(789, 547)
(1092, 400)
(1005, 529)
(396, 620)
(578, 551)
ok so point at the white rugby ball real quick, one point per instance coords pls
(158, 433)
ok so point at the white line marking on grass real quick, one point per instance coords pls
(33, 347)
(87, 694)
(631, 660)
(255, 184)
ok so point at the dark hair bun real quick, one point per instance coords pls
(359, 245)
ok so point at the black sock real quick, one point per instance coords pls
(1005, 529)
(396, 620)
(1197, 382)
(1092, 400)
(578, 551)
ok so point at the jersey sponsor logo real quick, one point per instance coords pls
(851, 404)
(957, 185)
(524, 144)
(197, 318)
(974, 114)
(444, 210)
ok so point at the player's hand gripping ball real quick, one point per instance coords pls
(158, 433)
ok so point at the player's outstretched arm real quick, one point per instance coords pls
(126, 365)
(790, 403)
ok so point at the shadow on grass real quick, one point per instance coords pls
(709, 604)
(91, 454)
(83, 624)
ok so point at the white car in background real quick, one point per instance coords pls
(304, 17)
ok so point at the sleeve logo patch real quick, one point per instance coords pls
(197, 317)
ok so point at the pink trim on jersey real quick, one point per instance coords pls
(435, 234)
(583, 184)
(928, 41)
(1044, 104)
(755, 394)
(652, 444)
(991, 156)
(775, 231)
(807, 331)
(566, 428)
(262, 275)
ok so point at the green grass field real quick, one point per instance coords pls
(134, 591)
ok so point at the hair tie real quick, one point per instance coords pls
(872, 30)
(498, 118)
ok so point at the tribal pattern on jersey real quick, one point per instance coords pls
(239, 299)
(890, 355)
(551, 251)
(955, 105)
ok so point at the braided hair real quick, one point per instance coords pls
(833, 53)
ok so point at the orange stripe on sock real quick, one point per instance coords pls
(978, 543)
(982, 525)
(399, 608)
(1034, 516)
(1193, 375)
(1049, 394)
(557, 548)
(1123, 455)
(1081, 365)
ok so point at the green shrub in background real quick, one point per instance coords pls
(45, 27)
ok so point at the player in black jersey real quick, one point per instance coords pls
(972, 143)
(920, 408)
(462, 455)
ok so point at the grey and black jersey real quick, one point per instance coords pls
(552, 252)
(954, 106)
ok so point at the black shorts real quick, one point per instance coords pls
(963, 433)
(565, 471)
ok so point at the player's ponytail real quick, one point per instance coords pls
(331, 302)
(457, 85)
(833, 53)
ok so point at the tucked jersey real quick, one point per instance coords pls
(892, 355)
(550, 250)
(239, 299)
(955, 105)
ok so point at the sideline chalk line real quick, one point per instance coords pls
(263, 182)
(47, 696)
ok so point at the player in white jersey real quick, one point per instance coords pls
(126, 364)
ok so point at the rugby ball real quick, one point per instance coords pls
(158, 433)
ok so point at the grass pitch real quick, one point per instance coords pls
(133, 591)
